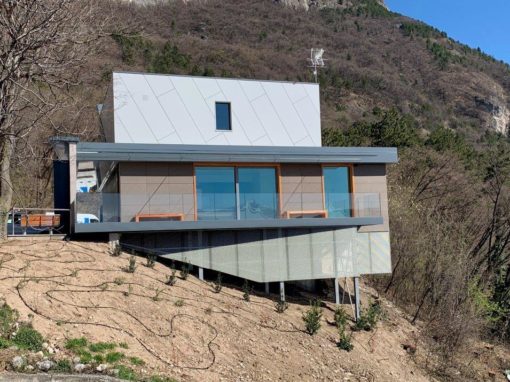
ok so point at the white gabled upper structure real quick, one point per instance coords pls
(172, 109)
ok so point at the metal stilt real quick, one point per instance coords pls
(356, 298)
(201, 273)
(282, 291)
(337, 292)
(267, 288)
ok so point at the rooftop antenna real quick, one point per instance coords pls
(316, 60)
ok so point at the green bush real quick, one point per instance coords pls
(281, 306)
(312, 317)
(98, 358)
(28, 338)
(85, 356)
(341, 317)
(247, 290)
(345, 341)
(368, 319)
(8, 318)
(185, 269)
(5, 343)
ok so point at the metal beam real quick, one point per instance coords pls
(357, 299)
(162, 226)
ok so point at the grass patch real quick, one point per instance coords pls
(85, 356)
(157, 378)
(76, 343)
(123, 345)
(100, 347)
(28, 338)
(63, 366)
(98, 358)
(136, 361)
(127, 373)
(4, 343)
(113, 357)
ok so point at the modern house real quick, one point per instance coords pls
(230, 175)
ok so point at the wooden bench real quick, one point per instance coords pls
(302, 214)
(155, 217)
(40, 221)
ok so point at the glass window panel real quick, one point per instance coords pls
(223, 116)
(215, 187)
(336, 191)
(258, 198)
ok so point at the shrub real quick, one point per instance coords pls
(185, 268)
(98, 358)
(341, 317)
(369, 319)
(113, 357)
(156, 295)
(119, 280)
(247, 290)
(8, 318)
(151, 261)
(172, 279)
(101, 347)
(312, 317)
(179, 303)
(217, 284)
(345, 341)
(117, 250)
(76, 343)
(123, 345)
(281, 306)
(28, 338)
(132, 264)
(63, 366)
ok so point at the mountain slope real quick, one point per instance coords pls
(375, 58)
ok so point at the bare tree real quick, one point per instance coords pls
(43, 45)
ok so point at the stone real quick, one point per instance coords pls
(45, 345)
(39, 355)
(76, 360)
(102, 367)
(18, 362)
(29, 368)
(80, 367)
(45, 365)
(114, 372)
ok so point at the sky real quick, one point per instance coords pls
(483, 24)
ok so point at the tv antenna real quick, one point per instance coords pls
(316, 60)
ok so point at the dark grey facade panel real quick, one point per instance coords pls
(155, 226)
(216, 153)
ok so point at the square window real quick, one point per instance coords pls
(223, 121)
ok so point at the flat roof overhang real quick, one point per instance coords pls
(136, 152)
(216, 225)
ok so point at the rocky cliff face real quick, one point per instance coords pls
(307, 4)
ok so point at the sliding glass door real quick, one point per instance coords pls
(216, 193)
(257, 193)
(337, 191)
(234, 193)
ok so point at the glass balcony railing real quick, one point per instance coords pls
(139, 207)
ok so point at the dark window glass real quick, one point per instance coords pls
(336, 191)
(223, 116)
(258, 198)
(216, 198)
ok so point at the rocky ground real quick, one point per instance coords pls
(76, 290)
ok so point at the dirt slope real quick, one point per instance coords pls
(78, 289)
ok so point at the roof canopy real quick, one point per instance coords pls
(126, 152)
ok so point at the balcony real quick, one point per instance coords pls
(156, 210)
